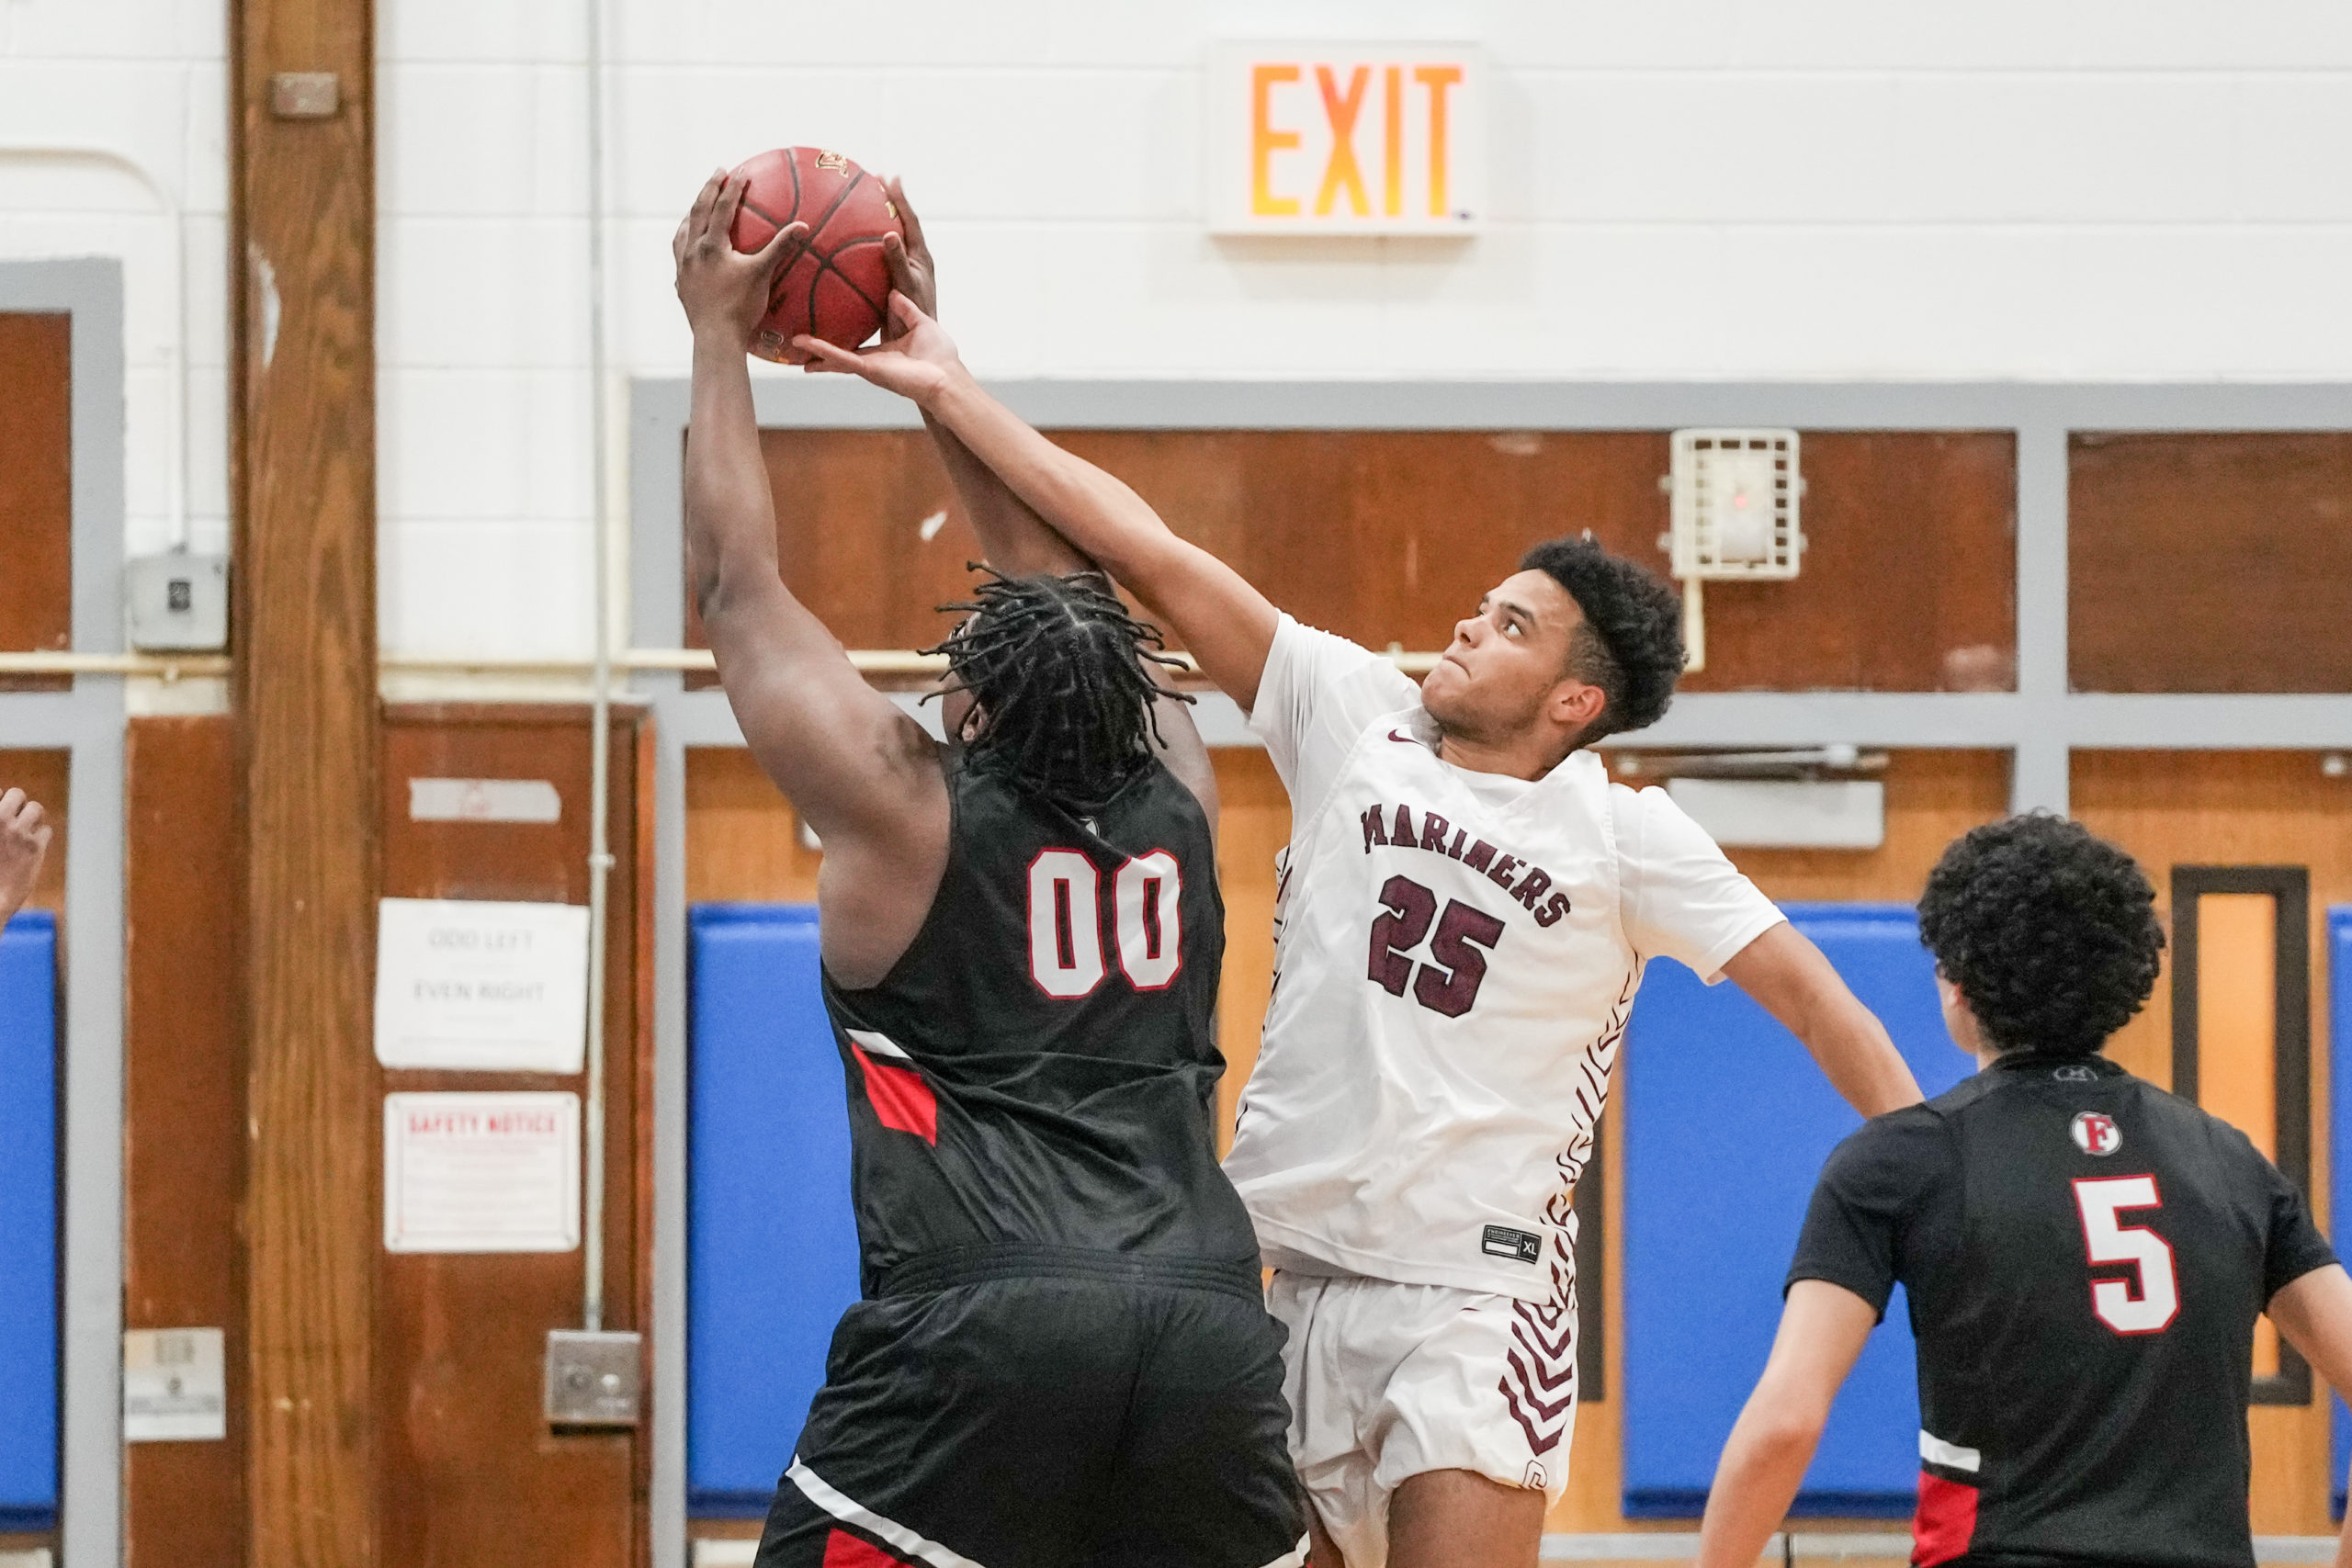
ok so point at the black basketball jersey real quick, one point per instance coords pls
(1039, 1070)
(2085, 1257)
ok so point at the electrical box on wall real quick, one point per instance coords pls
(1734, 516)
(1735, 494)
(593, 1378)
(176, 602)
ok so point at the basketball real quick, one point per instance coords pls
(840, 286)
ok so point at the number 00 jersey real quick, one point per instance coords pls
(1456, 956)
(1039, 1070)
(2085, 1257)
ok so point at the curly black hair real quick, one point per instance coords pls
(1631, 643)
(1057, 667)
(2050, 934)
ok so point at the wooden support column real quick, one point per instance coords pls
(305, 633)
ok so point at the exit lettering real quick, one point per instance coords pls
(1344, 138)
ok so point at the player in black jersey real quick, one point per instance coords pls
(2084, 1255)
(1062, 1356)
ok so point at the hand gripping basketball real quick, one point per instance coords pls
(724, 291)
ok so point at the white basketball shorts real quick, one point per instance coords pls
(1386, 1380)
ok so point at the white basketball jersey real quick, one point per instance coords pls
(1454, 966)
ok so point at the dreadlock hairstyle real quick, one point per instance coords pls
(1057, 665)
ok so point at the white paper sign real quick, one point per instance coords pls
(484, 800)
(175, 1385)
(478, 985)
(482, 1172)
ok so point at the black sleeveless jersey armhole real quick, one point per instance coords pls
(1039, 1069)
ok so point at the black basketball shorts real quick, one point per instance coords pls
(1031, 1408)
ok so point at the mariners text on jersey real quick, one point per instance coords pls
(1515, 875)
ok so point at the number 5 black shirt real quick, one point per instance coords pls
(2085, 1257)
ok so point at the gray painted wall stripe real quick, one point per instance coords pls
(2039, 772)
(837, 403)
(666, 1504)
(88, 722)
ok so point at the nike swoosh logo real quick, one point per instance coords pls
(1402, 738)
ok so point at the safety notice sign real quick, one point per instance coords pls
(482, 1172)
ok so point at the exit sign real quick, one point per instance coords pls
(1346, 139)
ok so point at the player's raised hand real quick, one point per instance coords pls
(916, 358)
(725, 290)
(24, 840)
(912, 272)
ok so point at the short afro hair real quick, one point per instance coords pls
(2050, 934)
(1631, 643)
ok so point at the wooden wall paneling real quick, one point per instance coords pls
(470, 1474)
(2171, 809)
(890, 486)
(1268, 502)
(36, 487)
(2210, 562)
(184, 1113)
(302, 483)
(43, 776)
(1392, 536)
(1909, 579)
(742, 836)
(853, 508)
(1253, 823)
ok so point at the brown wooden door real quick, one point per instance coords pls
(470, 1474)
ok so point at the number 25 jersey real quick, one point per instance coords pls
(2085, 1257)
(1456, 954)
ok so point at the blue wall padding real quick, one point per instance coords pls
(2339, 1129)
(772, 1245)
(29, 1222)
(1727, 1122)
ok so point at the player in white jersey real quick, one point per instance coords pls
(1465, 908)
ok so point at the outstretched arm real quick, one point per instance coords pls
(1227, 625)
(1821, 1332)
(1791, 979)
(1013, 540)
(862, 775)
(2314, 1314)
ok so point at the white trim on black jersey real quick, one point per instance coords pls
(904, 1540)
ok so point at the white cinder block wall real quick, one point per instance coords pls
(143, 81)
(1704, 188)
(1687, 188)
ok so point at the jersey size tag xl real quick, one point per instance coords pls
(1502, 1241)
